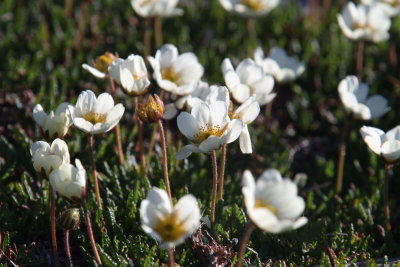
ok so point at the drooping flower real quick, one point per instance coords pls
(391, 7)
(353, 96)
(178, 74)
(208, 127)
(250, 8)
(248, 79)
(247, 112)
(385, 145)
(96, 115)
(364, 22)
(69, 181)
(131, 74)
(56, 124)
(279, 64)
(166, 224)
(156, 8)
(99, 68)
(151, 110)
(46, 158)
(272, 203)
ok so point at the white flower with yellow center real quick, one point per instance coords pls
(55, 124)
(391, 7)
(166, 224)
(156, 8)
(178, 74)
(131, 74)
(46, 158)
(208, 127)
(251, 8)
(248, 79)
(69, 181)
(96, 115)
(272, 203)
(279, 64)
(364, 22)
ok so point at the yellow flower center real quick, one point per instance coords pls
(170, 75)
(260, 204)
(391, 3)
(102, 62)
(169, 228)
(94, 117)
(254, 5)
(209, 129)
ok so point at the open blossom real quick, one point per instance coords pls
(248, 79)
(364, 22)
(354, 99)
(391, 7)
(251, 8)
(46, 158)
(99, 68)
(131, 74)
(178, 74)
(386, 145)
(279, 64)
(69, 181)
(55, 124)
(166, 224)
(208, 127)
(96, 115)
(156, 8)
(272, 203)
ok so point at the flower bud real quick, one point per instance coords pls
(102, 62)
(151, 110)
(69, 219)
(55, 124)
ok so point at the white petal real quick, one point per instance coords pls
(245, 141)
(234, 130)
(39, 115)
(212, 142)
(372, 137)
(83, 125)
(170, 111)
(391, 150)
(377, 105)
(188, 125)
(104, 103)
(186, 151)
(95, 72)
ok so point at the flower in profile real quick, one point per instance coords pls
(279, 64)
(248, 79)
(69, 181)
(166, 224)
(391, 7)
(364, 22)
(247, 112)
(96, 115)
(272, 203)
(151, 110)
(385, 145)
(353, 96)
(156, 8)
(46, 158)
(178, 74)
(131, 74)
(208, 127)
(99, 68)
(250, 8)
(69, 219)
(55, 124)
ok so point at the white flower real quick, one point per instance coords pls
(208, 127)
(279, 65)
(70, 181)
(100, 66)
(251, 8)
(364, 22)
(178, 74)
(46, 158)
(96, 115)
(272, 203)
(156, 8)
(166, 224)
(247, 80)
(131, 74)
(247, 112)
(385, 145)
(56, 124)
(354, 99)
(391, 7)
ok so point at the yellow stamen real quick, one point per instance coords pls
(169, 228)
(210, 129)
(260, 204)
(170, 75)
(94, 117)
(252, 4)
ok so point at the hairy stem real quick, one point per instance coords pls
(342, 154)
(171, 259)
(53, 225)
(94, 173)
(165, 162)
(386, 197)
(214, 189)
(67, 250)
(90, 232)
(117, 127)
(222, 172)
(245, 238)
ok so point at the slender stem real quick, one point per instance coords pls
(147, 39)
(392, 55)
(139, 122)
(222, 172)
(251, 36)
(268, 109)
(171, 259)
(359, 58)
(342, 154)
(245, 238)
(90, 232)
(214, 190)
(178, 148)
(68, 8)
(386, 197)
(165, 161)
(53, 225)
(94, 173)
(158, 31)
(117, 127)
(151, 143)
(66, 244)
